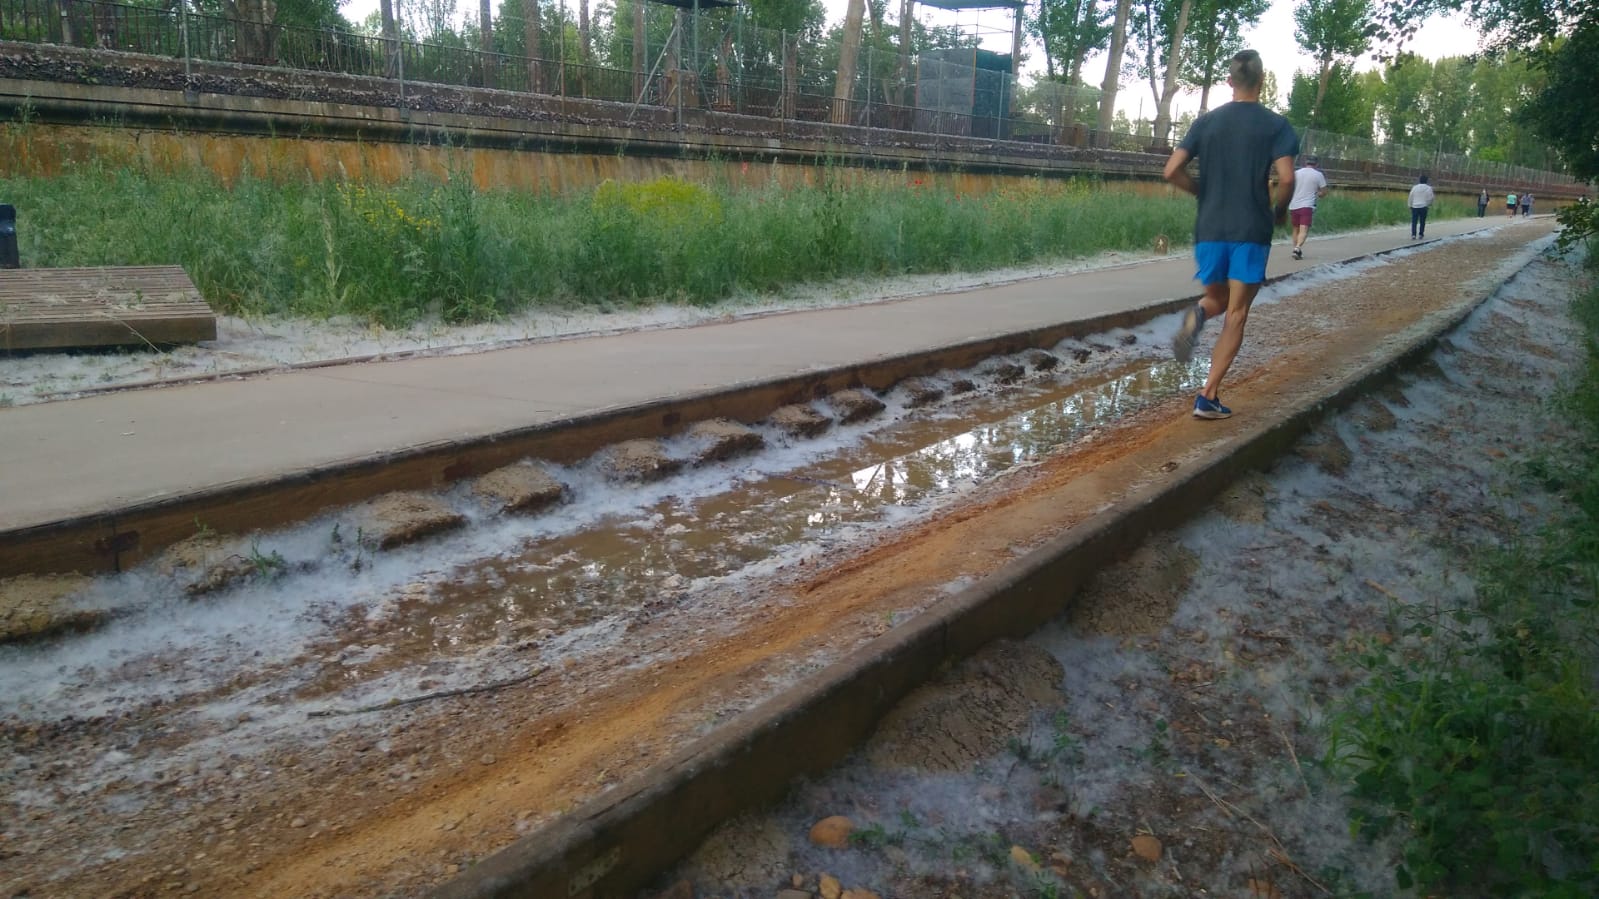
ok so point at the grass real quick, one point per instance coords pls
(1476, 734)
(424, 248)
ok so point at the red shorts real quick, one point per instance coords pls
(1301, 217)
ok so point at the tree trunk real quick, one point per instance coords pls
(532, 35)
(486, 35)
(1204, 89)
(1174, 64)
(1113, 71)
(641, 63)
(1321, 91)
(582, 46)
(903, 74)
(390, 39)
(790, 77)
(844, 87)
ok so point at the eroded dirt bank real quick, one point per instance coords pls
(391, 802)
(1165, 738)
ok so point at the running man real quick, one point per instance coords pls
(1310, 185)
(1239, 145)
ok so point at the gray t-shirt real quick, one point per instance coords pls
(1236, 144)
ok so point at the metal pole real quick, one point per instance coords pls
(183, 32)
(869, 58)
(399, 50)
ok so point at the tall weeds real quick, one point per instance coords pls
(397, 253)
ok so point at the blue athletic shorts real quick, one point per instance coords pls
(1221, 260)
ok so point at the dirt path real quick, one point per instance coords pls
(387, 803)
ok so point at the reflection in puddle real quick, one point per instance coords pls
(619, 566)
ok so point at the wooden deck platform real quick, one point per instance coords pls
(59, 308)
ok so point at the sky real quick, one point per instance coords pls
(1274, 36)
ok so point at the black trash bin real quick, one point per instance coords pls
(8, 237)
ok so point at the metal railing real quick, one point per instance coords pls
(715, 61)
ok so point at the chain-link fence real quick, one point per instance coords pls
(682, 59)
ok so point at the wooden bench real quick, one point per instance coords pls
(58, 308)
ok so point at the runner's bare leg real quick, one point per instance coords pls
(1239, 297)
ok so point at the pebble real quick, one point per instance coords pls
(487, 759)
(832, 832)
(298, 822)
(1147, 847)
(830, 887)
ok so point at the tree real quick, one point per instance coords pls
(1113, 70)
(1069, 31)
(844, 83)
(1346, 107)
(1566, 110)
(1161, 26)
(1332, 31)
(1402, 105)
(1213, 37)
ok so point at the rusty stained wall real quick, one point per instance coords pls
(46, 149)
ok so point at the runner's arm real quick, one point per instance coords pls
(1283, 166)
(1177, 173)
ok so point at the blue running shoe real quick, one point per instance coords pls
(1182, 343)
(1211, 409)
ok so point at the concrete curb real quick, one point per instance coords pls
(617, 843)
(115, 539)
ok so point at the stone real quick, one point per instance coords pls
(638, 461)
(520, 488)
(205, 563)
(962, 385)
(921, 392)
(1005, 372)
(1326, 450)
(860, 894)
(832, 832)
(33, 606)
(718, 440)
(1376, 416)
(791, 893)
(1023, 858)
(398, 519)
(854, 405)
(1147, 847)
(1042, 361)
(830, 887)
(800, 421)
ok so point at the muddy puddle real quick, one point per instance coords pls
(621, 562)
(322, 617)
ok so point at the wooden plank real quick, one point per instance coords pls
(93, 307)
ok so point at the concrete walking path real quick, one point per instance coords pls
(98, 454)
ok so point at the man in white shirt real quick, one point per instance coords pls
(1421, 197)
(1310, 185)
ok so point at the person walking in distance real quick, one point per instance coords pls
(1510, 205)
(1526, 205)
(1310, 185)
(1239, 146)
(1482, 203)
(1421, 197)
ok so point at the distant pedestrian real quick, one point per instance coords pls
(1310, 185)
(1510, 204)
(1239, 146)
(1421, 197)
(1482, 203)
(1526, 204)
